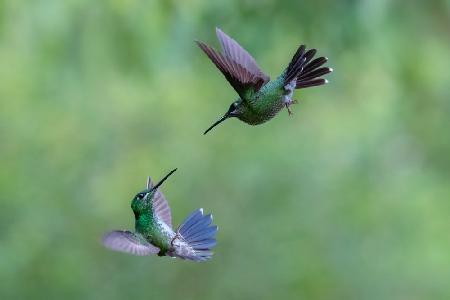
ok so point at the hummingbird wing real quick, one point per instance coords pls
(234, 51)
(128, 242)
(160, 205)
(236, 64)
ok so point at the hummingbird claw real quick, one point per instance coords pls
(288, 109)
(288, 103)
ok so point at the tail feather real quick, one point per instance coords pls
(307, 73)
(314, 74)
(204, 245)
(314, 64)
(190, 220)
(209, 232)
(309, 55)
(198, 232)
(296, 65)
(199, 226)
(310, 83)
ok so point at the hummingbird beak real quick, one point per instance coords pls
(225, 116)
(162, 180)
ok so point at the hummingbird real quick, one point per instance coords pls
(153, 234)
(260, 98)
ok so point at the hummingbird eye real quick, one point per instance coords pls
(140, 196)
(233, 106)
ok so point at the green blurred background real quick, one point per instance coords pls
(346, 199)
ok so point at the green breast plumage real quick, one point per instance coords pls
(154, 230)
(263, 105)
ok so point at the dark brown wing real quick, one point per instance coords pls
(233, 50)
(238, 67)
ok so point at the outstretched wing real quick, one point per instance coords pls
(236, 64)
(234, 51)
(160, 206)
(128, 242)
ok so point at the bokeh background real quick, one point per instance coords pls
(347, 199)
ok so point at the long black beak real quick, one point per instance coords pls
(225, 116)
(162, 180)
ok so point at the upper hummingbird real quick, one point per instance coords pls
(260, 98)
(153, 234)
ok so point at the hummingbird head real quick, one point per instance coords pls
(234, 110)
(142, 200)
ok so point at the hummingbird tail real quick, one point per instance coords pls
(198, 232)
(306, 72)
(311, 73)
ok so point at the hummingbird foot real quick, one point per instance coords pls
(288, 109)
(287, 104)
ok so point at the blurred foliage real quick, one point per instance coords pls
(346, 199)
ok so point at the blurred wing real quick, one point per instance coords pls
(160, 205)
(238, 67)
(128, 242)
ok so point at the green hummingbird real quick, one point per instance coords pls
(260, 98)
(153, 234)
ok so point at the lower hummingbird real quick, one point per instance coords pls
(260, 98)
(153, 234)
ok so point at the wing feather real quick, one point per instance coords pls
(160, 205)
(128, 242)
(234, 51)
(236, 64)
